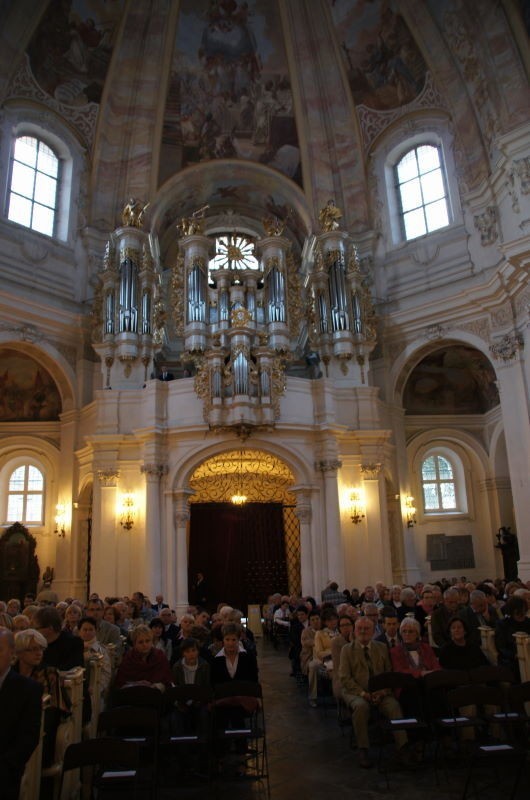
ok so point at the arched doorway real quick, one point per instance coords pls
(244, 534)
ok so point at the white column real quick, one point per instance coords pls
(378, 566)
(154, 578)
(104, 551)
(181, 511)
(304, 513)
(334, 549)
(514, 405)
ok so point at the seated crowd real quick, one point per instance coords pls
(339, 645)
(138, 644)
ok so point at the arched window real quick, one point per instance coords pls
(438, 485)
(422, 191)
(25, 495)
(33, 190)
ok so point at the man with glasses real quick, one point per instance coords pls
(64, 650)
(360, 660)
(106, 632)
(371, 611)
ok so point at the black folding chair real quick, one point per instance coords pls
(414, 724)
(115, 764)
(491, 675)
(188, 727)
(488, 752)
(139, 725)
(239, 719)
(139, 696)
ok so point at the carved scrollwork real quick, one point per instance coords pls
(177, 295)
(508, 347)
(295, 297)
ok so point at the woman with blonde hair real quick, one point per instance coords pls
(29, 651)
(143, 664)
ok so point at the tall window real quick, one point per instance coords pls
(25, 495)
(34, 183)
(438, 484)
(422, 192)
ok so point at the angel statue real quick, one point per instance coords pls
(329, 216)
(133, 213)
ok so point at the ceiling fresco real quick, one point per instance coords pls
(384, 65)
(452, 380)
(27, 390)
(230, 92)
(71, 49)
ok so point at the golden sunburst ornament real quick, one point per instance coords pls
(234, 251)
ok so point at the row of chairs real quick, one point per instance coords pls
(480, 715)
(71, 729)
(141, 719)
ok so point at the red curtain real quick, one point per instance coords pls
(240, 550)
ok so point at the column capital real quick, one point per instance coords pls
(181, 505)
(328, 465)
(370, 472)
(154, 470)
(108, 476)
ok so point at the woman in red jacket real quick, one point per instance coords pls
(143, 664)
(413, 656)
(416, 658)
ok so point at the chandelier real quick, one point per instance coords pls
(239, 499)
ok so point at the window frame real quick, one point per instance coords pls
(58, 181)
(23, 121)
(8, 471)
(399, 195)
(411, 132)
(462, 497)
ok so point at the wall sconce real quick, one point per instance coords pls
(127, 512)
(357, 505)
(60, 520)
(410, 511)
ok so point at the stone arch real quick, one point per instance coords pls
(179, 477)
(414, 352)
(250, 197)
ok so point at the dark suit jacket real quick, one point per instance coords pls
(66, 652)
(247, 669)
(158, 608)
(472, 621)
(20, 715)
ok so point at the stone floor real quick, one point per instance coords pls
(309, 757)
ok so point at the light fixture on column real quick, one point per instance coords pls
(60, 520)
(357, 505)
(410, 511)
(239, 499)
(127, 510)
